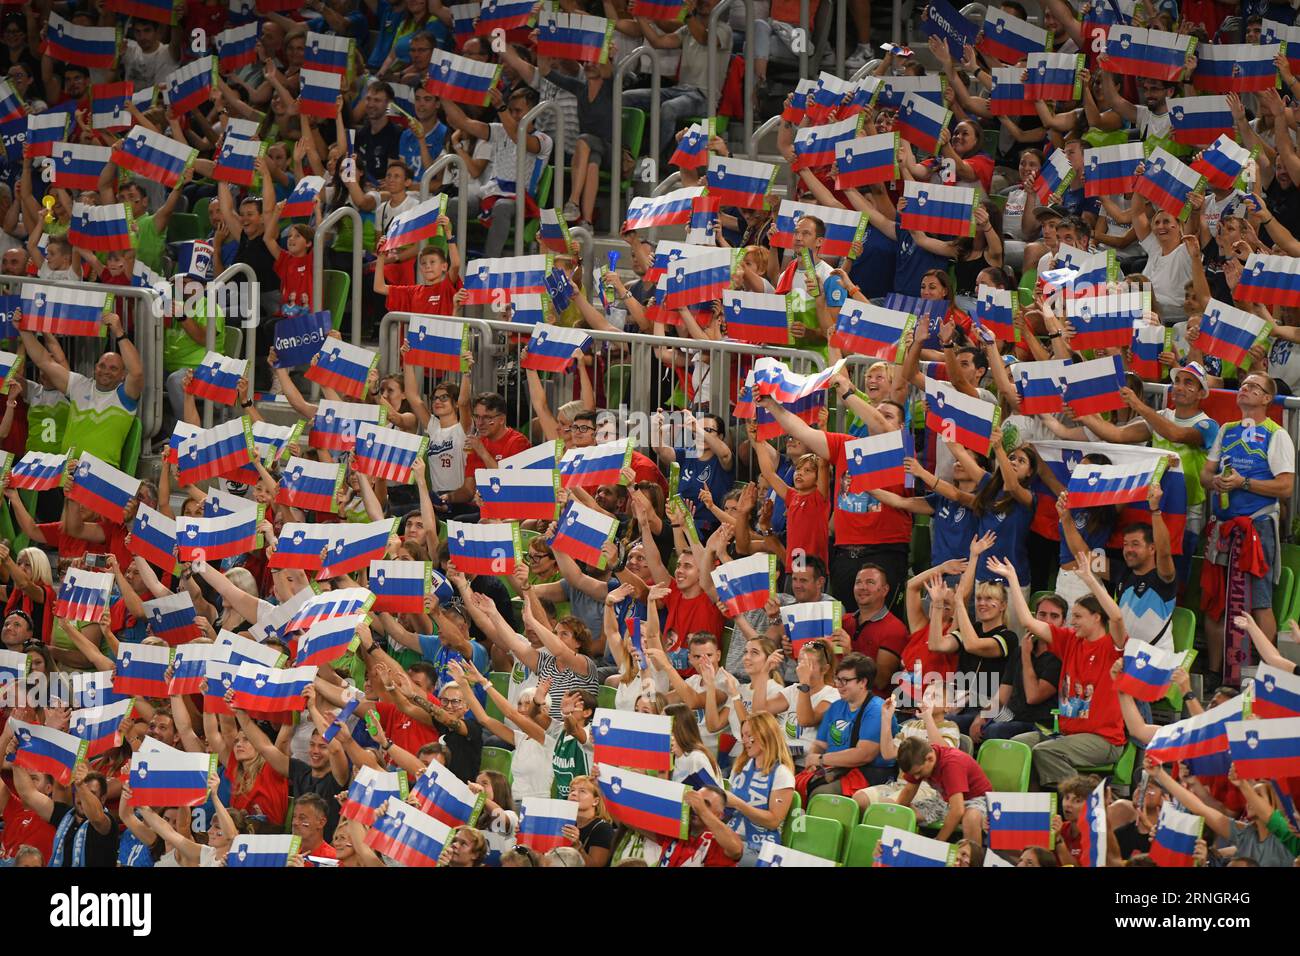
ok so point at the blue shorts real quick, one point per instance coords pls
(1261, 589)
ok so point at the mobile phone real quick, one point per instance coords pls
(96, 560)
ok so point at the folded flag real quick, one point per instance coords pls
(407, 835)
(517, 494)
(11, 104)
(271, 690)
(436, 343)
(811, 621)
(1229, 333)
(95, 48)
(45, 131)
(237, 161)
(100, 727)
(646, 803)
(172, 618)
(190, 667)
(700, 277)
(1011, 39)
(1093, 387)
(170, 777)
(865, 160)
(1221, 162)
(344, 367)
(141, 669)
(237, 46)
(1007, 95)
(1236, 67)
(154, 156)
(105, 228)
(942, 210)
(1198, 120)
(553, 348)
(830, 93)
(875, 461)
(582, 533)
(1266, 749)
(541, 820)
(447, 798)
(1277, 693)
(1111, 170)
(153, 537)
(503, 15)
(996, 310)
(387, 453)
(773, 853)
(38, 471)
(595, 465)
(369, 790)
(190, 87)
(269, 851)
(220, 677)
(1019, 820)
(336, 423)
(1053, 76)
(920, 121)
(1106, 321)
(65, 311)
(844, 227)
(1167, 183)
(1202, 735)
(326, 641)
(892, 90)
(43, 749)
(319, 607)
(400, 587)
(102, 488)
(217, 377)
(745, 584)
(624, 738)
(353, 545)
(223, 536)
(544, 456)
(760, 318)
(901, 848)
(1148, 670)
(670, 209)
(1269, 280)
(961, 418)
(484, 548)
(328, 52)
(1138, 51)
(461, 79)
(738, 182)
(301, 203)
(1093, 828)
(417, 224)
(78, 168)
(1054, 178)
(1148, 342)
(814, 146)
(1175, 837)
(215, 452)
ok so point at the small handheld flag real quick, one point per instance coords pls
(646, 803)
(190, 87)
(407, 835)
(942, 210)
(153, 155)
(352, 545)
(153, 537)
(437, 344)
(1111, 170)
(1094, 386)
(217, 377)
(95, 48)
(38, 471)
(1019, 820)
(628, 739)
(400, 587)
(337, 423)
(595, 465)
(369, 789)
(300, 545)
(65, 311)
(170, 778)
(417, 224)
(1148, 670)
(815, 146)
(583, 532)
(461, 79)
(141, 670)
(1053, 76)
(745, 584)
(43, 749)
(844, 227)
(311, 484)
(1198, 120)
(958, 417)
(172, 618)
(672, 208)
(739, 182)
(214, 452)
(1011, 39)
(1221, 162)
(875, 462)
(1265, 749)
(542, 821)
(920, 121)
(237, 46)
(491, 549)
(1277, 693)
(901, 848)
(760, 318)
(1007, 95)
(237, 161)
(189, 667)
(995, 310)
(446, 798)
(1176, 835)
(1167, 183)
(78, 167)
(1041, 386)
(553, 348)
(83, 594)
(517, 494)
(1236, 67)
(327, 641)
(1105, 321)
(102, 488)
(267, 851)
(100, 727)
(388, 453)
(811, 621)
(1138, 51)
(1054, 178)
(1229, 333)
(578, 37)
(271, 690)
(1269, 280)
(1093, 828)
(871, 330)
(301, 203)
(344, 367)
(773, 853)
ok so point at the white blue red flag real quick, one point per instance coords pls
(336, 603)
(1093, 387)
(1198, 120)
(811, 621)
(353, 545)
(1137, 51)
(814, 146)
(958, 417)
(221, 537)
(1168, 183)
(872, 330)
(416, 224)
(216, 451)
(995, 310)
(102, 488)
(237, 161)
(1235, 67)
(1111, 170)
(43, 749)
(326, 641)
(461, 79)
(1018, 820)
(1007, 96)
(318, 96)
(154, 156)
(11, 104)
(65, 311)
(595, 465)
(553, 234)
(1267, 749)
(1011, 39)
(45, 131)
(95, 48)
(739, 182)
(844, 227)
(904, 849)
(745, 584)
(1093, 828)
(170, 778)
(644, 802)
(942, 210)
(271, 690)
(1221, 162)
(1053, 76)
(436, 343)
(1176, 835)
(301, 203)
(153, 537)
(217, 377)
(830, 93)
(369, 789)
(875, 461)
(504, 15)
(553, 348)
(1277, 693)
(344, 367)
(100, 726)
(1229, 333)
(1269, 280)
(1148, 670)
(311, 484)
(760, 318)
(920, 121)
(446, 798)
(866, 160)
(773, 854)
(264, 851)
(545, 456)
(237, 46)
(387, 453)
(104, 228)
(78, 167)
(670, 209)
(577, 37)
(484, 548)
(328, 52)
(190, 667)
(1203, 735)
(517, 494)
(336, 423)
(1107, 320)
(542, 821)
(400, 587)
(699, 277)
(190, 87)
(407, 835)
(141, 669)
(301, 545)
(172, 618)
(582, 532)
(1054, 178)
(625, 738)
(159, 11)
(38, 471)
(794, 112)
(1092, 486)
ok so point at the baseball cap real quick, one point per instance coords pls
(1054, 211)
(1197, 371)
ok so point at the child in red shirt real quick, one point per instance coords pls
(807, 504)
(294, 266)
(440, 281)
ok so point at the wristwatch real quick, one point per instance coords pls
(805, 688)
(1245, 484)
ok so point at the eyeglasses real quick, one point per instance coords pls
(526, 853)
(583, 429)
(441, 398)
(841, 681)
(709, 431)
(1253, 387)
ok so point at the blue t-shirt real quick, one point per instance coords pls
(201, 816)
(836, 728)
(1012, 529)
(1097, 539)
(358, 28)
(408, 147)
(131, 852)
(436, 653)
(873, 271)
(913, 263)
(952, 527)
(784, 471)
(696, 474)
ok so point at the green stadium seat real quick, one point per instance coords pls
(501, 681)
(818, 836)
(862, 845)
(830, 806)
(184, 227)
(891, 815)
(796, 811)
(1006, 763)
(496, 758)
(605, 698)
(1121, 771)
(1183, 627)
(337, 286)
(203, 215)
(1282, 593)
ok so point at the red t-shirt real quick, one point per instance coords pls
(69, 548)
(859, 518)
(922, 666)
(955, 772)
(114, 542)
(646, 470)
(704, 851)
(982, 165)
(688, 615)
(510, 443)
(268, 796)
(436, 299)
(807, 526)
(404, 731)
(325, 851)
(870, 637)
(295, 279)
(23, 825)
(1086, 688)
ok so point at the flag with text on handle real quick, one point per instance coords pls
(264, 851)
(1202, 735)
(189, 87)
(215, 452)
(699, 277)
(1019, 820)
(336, 423)
(170, 778)
(337, 603)
(417, 224)
(446, 798)
(65, 311)
(436, 343)
(484, 548)
(814, 146)
(995, 310)
(1092, 486)
(237, 161)
(154, 156)
(811, 621)
(1111, 170)
(582, 533)
(875, 461)
(153, 537)
(553, 348)
(900, 848)
(1011, 39)
(760, 318)
(1148, 342)
(517, 494)
(866, 160)
(1148, 670)
(100, 727)
(1269, 280)
(141, 670)
(624, 738)
(1235, 67)
(301, 545)
(343, 367)
(217, 377)
(942, 210)
(844, 227)
(1041, 386)
(1007, 95)
(78, 167)
(578, 37)
(369, 789)
(745, 584)
(95, 48)
(544, 456)
(269, 690)
(1266, 749)
(553, 234)
(1229, 333)
(45, 131)
(739, 182)
(1053, 76)
(172, 618)
(958, 417)
(11, 104)
(221, 537)
(920, 121)
(1054, 178)
(353, 545)
(595, 465)
(1277, 693)
(327, 641)
(1138, 51)
(461, 79)
(542, 822)
(388, 453)
(190, 667)
(503, 15)
(43, 749)
(1174, 843)
(670, 209)
(871, 330)
(84, 594)
(644, 802)
(1093, 387)
(1093, 828)
(407, 835)
(1221, 162)
(773, 854)
(1199, 120)
(105, 228)
(301, 203)
(237, 46)
(1167, 183)
(400, 586)
(38, 471)
(1107, 320)
(102, 488)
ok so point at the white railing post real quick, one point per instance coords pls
(462, 193)
(616, 154)
(521, 161)
(318, 265)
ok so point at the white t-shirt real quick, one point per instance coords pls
(626, 695)
(385, 211)
(1149, 124)
(1013, 215)
(147, 69)
(797, 738)
(1169, 275)
(696, 683)
(446, 456)
(501, 170)
(693, 762)
(207, 857)
(530, 767)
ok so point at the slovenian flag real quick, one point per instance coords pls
(1269, 280)
(1093, 828)
(218, 502)
(875, 461)
(344, 367)
(1148, 342)
(463, 16)
(1203, 735)
(490, 549)
(1112, 170)
(844, 227)
(38, 471)
(958, 417)
(273, 690)
(773, 854)
(170, 777)
(1054, 178)
(1175, 837)
(814, 146)
(105, 228)
(220, 677)
(1093, 387)
(416, 224)
(460, 79)
(436, 343)
(866, 160)
(871, 330)
(545, 456)
(221, 537)
(353, 545)
(141, 669)
(190, 667)
(328, 53)
(1148, 670)
(153, 537)
(759, 318)
(942, 210)
(483, 277)
(215, 452)
(1137, 51)
(301, 545)
(92, 689)
(320, 607)
(318, 96)
(553, 234)
(1092, 486)
(1277, 693)
(369, 789)
(400, 587)
(13, 666)
(301, 203)
(811, 621)
(311, 484)
(1198, 120)
(1007, 96)
(794, 113)
(1235, 67)
(45, 130)
(829, 94)
(1265, 749)
(407, 835)
(159, 11)
(1019, 820)
(447, 798)
(1106, 321)
(647, 803)
(553, 348)
(327, 641)
(738, 182)
(154, 156)
(595, 465)
(267, 851)
(100, 727)
(624, 738)
(901, 848)
(237, 161)
(582, 532)
(43, 749)
(102, 488)
(503, 15)
(578, 37)
(920, 121)
(670, 209)
(542, 821)
(1229, 333)
(336, 423)
(171, 618)
(515, 494)
(95, 48)
(1167, 183)
(190, 87)
(699, 277)
(387, 453)
(11, 104)
(745, 584)
(1010, 39)
(217, 377)
(237, 46)
(1053, 76)
(1221, 162)
(78, 167)
(995, 310)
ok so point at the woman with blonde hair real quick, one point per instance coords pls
(762, 785)
(690, 756)
(801, 706)
(593, 835)
(33, 587)
(255, 787)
